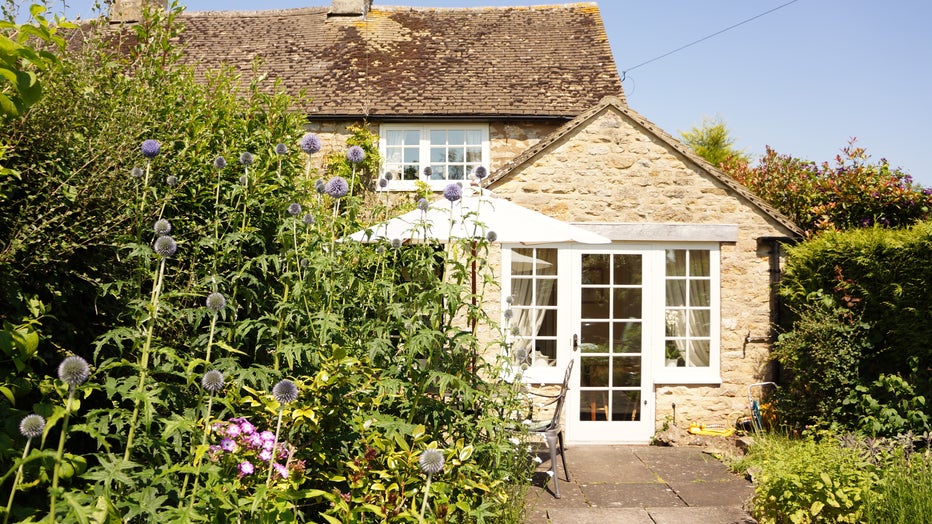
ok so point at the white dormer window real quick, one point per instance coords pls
(451, 151)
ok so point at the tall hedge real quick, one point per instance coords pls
(876, 282)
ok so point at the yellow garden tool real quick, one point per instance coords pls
(714, 431)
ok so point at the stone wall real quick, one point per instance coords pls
(612, 169)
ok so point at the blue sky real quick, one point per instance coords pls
(803, 79)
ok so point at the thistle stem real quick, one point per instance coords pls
(426, 493)
(58, 456)
(16, 481)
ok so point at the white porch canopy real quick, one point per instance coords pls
(474, 216)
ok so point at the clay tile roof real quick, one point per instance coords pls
(538, 61)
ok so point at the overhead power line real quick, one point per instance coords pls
(703, 39)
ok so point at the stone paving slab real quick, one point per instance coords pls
(639, 484)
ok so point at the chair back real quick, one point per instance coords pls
(562, 398)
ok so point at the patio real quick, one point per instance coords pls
(639, 484)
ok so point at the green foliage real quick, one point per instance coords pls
(379, 339)
(712, 141)
(851, 193)
(26, 52)
(809, 480)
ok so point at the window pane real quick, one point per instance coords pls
(438, 154)
(627, 302)
(455, 173)
(627, 337)
(546, 262)
(393, 155)
(456, 137)
(675, 320)
(699, 263)
(411, 155)
(699, 353)
(521, 291)
(627, 269)
(676, 263)
(438, 137)
(676, 293)
(474, 154)
(393, 138)
(410, 173)
(545, 353)
(522, 262)
(700, 323)
(548, 322)
(546, 292)
(473, 137)
(700, 293)
(438, 172)
(412, 137)
(455, 154)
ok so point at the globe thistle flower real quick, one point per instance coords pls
(212, 381)
(431, 461)
(480, 173)
(150, 148)
(73, 370)
(320, 186)
(285, 392)
(491, 236)
(308, 219)
(310, 143)
(396, 243)
(428, 171)
(294, 209)
(281, 149)
(389, 176)
(383, 183)
(243, 180)
(220, 162)
(165, 246)
(137, 172)
(216, 302)
(423, 204)
(162, 227)
(521, 354)
(355, 154)
(246, 158)
(453, 192)
(337, 187)
(510, 299)
(32, 426)
(171, 180)
(509, 314)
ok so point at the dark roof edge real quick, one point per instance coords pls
(617, 104)
(439, 118)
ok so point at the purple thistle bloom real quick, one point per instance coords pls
(246, 468)
(32, 426)
(294, 209)
(216, 302)
(383, 183)
(137, 172)
(227, 444)
(281, 149)
(150, 148)
(491, 236)
(320, 186)
(73, 370)
(246, 158)
(396, 243)
(337, 187)
(423, 204)
(308, 219)
(428, 171)
(212, 381)
(165, 246)
(481, 173)
(220, 162)
(285, 391)
(453, 192)
(355, 154)
(389, 175)
(244, 180)
(310, 143)
(162, 227)
(171, 180)
(431, 461)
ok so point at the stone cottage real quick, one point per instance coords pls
(672, 316)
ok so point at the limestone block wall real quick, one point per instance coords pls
(612, 169)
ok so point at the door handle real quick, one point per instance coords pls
(575, 342)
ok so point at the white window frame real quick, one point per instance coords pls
(424, 150)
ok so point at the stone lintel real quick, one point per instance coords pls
(664, 232)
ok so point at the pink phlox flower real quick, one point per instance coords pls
(268, 436)
(280, 469)
(233, 430)
(255, 441)
(246, 468)
(247, 428)
(227, 444)
(265, 455)
(268, 444)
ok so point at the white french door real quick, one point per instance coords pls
(611, 398)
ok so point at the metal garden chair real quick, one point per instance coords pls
(551, 427)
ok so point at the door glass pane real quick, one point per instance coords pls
(594, 372)
(545, 353)
(626, 405)
(410, 173)
(676, 263)
(627, 269)
(548, 322)
(699, 263)
(627, 337)
(700, 323)
(700, 293)
(593, 337)
(593, 405)
(626, 372)
(546, 292)
(522, 261)
(699, 353)
(627, 302)
(595, 269)
(594, 303)
(676, 292)
(546, 263)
